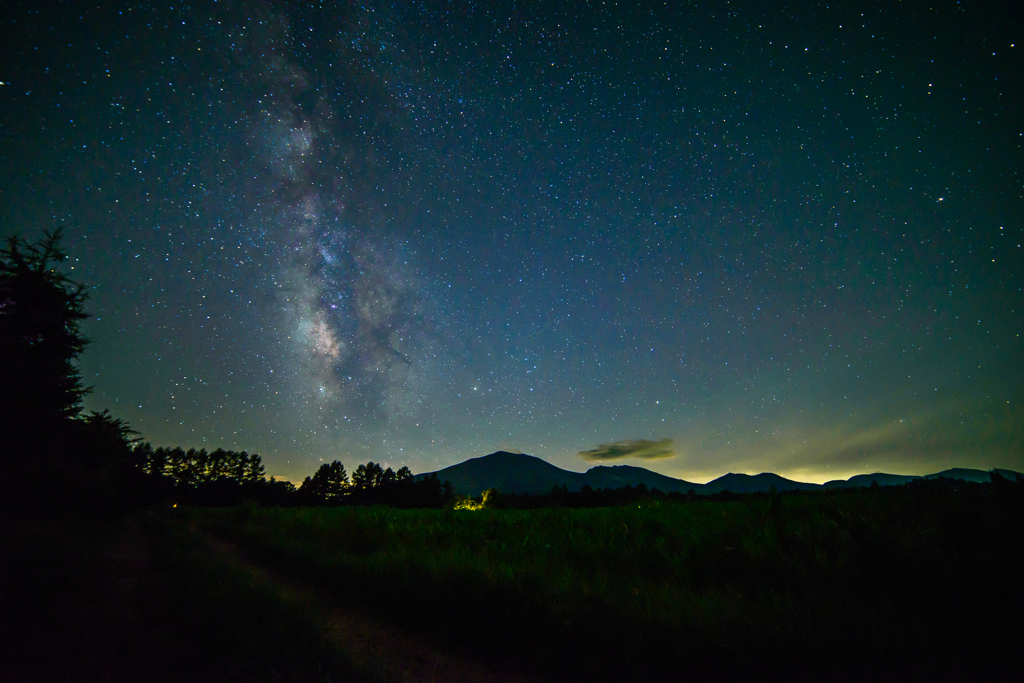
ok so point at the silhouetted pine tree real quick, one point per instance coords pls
(327, 484)
(40, 342)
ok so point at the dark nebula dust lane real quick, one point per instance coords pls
(699, 239)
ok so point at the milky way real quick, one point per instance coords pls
(354, 299)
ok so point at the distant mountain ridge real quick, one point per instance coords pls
(527, 474)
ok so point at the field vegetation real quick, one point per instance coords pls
(915, 582)
(912, 582)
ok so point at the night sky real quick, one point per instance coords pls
(699, 237)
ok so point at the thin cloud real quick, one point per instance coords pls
(634, 448)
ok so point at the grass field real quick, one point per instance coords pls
(917, 582)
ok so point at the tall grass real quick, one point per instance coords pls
(914, 582)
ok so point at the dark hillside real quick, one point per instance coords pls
(604, 477)
(880, 478)
(758, 483)
(509, 473)
(965, 474)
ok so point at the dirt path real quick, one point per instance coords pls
(376, 649)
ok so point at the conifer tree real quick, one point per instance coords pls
(40, 342)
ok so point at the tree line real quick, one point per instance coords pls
(225, 477)
(53, 456)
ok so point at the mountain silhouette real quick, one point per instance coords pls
(971, 475)
(527, 474)
(880, 478)
(747, 483)
(617, 476)
(508, 473)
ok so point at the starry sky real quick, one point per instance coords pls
(698, 237)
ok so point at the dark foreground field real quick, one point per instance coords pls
(915, 582)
